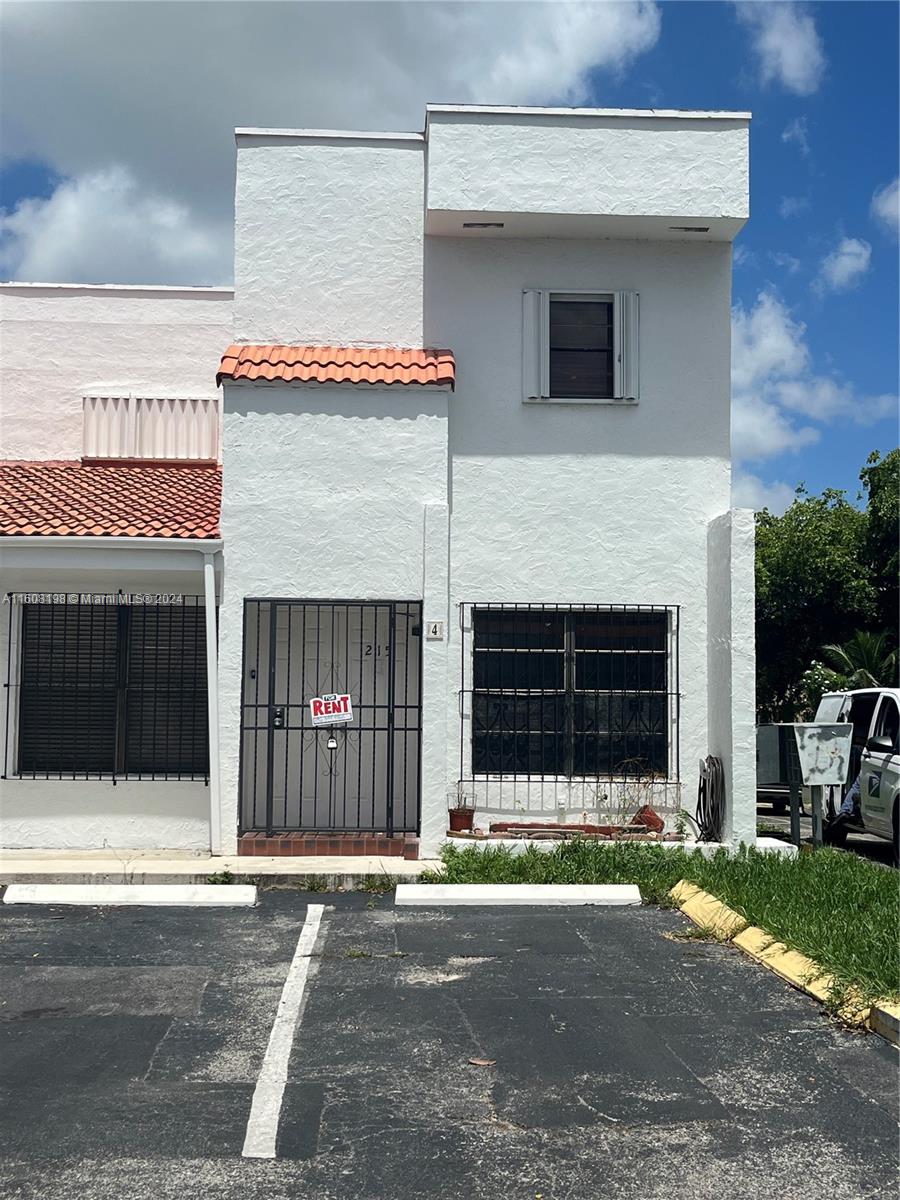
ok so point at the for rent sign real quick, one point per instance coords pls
(331, 709)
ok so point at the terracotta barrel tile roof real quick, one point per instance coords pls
(337, 364)
(65, 499)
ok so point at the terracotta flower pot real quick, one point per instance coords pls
(461, 819)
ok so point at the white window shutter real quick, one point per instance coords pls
(535, 336)
(626, 322)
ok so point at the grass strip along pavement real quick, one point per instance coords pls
(841, 911)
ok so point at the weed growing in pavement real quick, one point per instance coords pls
(314, 883)
(840, 910)
(352, 953)
(377, 884)
(220, 877)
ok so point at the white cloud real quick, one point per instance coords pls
(102, 228)
(792, 206)
(844, 267)
(779, 402)
(760, 430)
(157, 89)
(886, 206)
(742, 257)
(749, 491)
(786, 43)
(796, 133)
(766, 344)
(790, 264)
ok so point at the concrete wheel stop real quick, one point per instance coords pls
(457, 894)
(206, 895)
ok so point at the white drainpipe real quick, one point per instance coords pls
(212, 695)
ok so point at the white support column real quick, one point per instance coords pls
(731, 667)
(212, 699)
(435, 592)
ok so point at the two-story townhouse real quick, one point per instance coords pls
(477, 479)
(477, 474)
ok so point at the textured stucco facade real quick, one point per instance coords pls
(604, 166)
(318, 220)
(59, 343)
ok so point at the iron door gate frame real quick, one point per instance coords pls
(266, 713)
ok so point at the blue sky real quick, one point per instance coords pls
(118, 158)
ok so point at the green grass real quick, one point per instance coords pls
(841, 911)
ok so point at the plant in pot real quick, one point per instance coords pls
(461, 811)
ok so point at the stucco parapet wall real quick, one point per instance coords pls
(687, 171)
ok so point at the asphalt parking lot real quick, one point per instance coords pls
(611, 1060)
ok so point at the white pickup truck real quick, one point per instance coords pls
(875, 716)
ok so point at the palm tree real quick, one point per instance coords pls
(864, 660)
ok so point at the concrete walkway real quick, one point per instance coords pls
(150, 866)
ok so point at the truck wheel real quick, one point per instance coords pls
(779, 807)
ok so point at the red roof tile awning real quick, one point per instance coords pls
(74, 499)
(337, 364)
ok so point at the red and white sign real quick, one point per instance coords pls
(331, 709)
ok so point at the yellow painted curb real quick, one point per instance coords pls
(799, 971)
(795, 968)
(707, 912)
(884, 1019)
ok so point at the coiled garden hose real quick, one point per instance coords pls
(711, 800)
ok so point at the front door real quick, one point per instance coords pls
(361, 775)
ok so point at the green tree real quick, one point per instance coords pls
(813, 587)
(866, 660)
(881, 479)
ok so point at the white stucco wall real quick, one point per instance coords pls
(621, 165)
(587, 504)
(86, 814)
(328, 239)
(58, 342)
(732, 667)
(326, 497)
(90, 814)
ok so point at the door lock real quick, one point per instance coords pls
(277, 718)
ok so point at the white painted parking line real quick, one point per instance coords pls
(209, 895)
(262, 1127)
(517, 893)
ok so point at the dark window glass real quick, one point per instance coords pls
(113, 690)
(67, 706)
(581, 349)
(889, 721)
(570, 692)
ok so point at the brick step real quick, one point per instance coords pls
(283, 845)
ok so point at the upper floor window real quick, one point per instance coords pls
(580, 347)
(151, 428)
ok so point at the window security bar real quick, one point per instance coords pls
(106, 687)
(569, 708)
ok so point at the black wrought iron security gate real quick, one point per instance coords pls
(357, 775)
